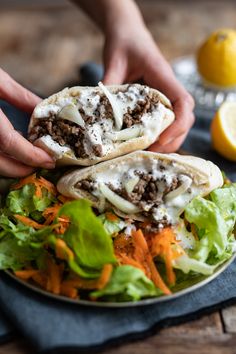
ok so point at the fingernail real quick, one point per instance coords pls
(49, 164)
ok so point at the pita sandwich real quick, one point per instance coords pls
(144, 185)
(87, 125)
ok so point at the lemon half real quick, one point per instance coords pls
(216, 58)
(223, 130)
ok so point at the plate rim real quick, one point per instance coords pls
(144, 302)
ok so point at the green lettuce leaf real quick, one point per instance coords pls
(21, 231)
(187, 264)
(88, 239)
(15, 255)
(112, 227)
(6, 224)
(72, 263)
(215, 219)
(206, 215)
(225, 200)
(24, 202)
(127, 283)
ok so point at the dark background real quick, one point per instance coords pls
(42, 43)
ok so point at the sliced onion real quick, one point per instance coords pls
(119, 202)
(101, 203)
(70, 112)
(117, 110)
(131, 183)
(126, 134)
(186, 183)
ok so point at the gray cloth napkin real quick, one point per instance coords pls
(54, 326)
(6, 328)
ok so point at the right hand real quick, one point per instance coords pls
(130, 54)
(18, 156)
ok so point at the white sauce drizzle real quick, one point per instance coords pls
(118, 175)
(104, 132)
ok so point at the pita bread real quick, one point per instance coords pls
(201, 176)
(160, 117)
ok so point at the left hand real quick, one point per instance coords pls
(18, 157)
(130, 54)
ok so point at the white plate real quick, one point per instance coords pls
(198, 282)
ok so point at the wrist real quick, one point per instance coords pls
(120, 17)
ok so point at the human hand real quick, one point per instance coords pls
(18, 157)
(130, 54)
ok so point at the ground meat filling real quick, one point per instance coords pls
(143, 106)
(103, 111)
(86, 185)
(65, 132)
(148, 193)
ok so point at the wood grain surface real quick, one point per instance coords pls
(203, 336)
(42, 45)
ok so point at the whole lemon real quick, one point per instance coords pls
(216, 58)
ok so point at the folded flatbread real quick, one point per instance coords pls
(87, 125)
(144, 185)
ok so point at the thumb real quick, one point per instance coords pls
(17, 95)
(115, 70)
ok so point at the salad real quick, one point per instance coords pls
(67, 248)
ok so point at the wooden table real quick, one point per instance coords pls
(42, 45)
(214, 334)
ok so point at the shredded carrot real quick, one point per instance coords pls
(141, 242)
(105, 276)
(23, 181)
(39, 183)
(169, 268)
(69, 291)
(139, 239)
(47, 185)
(123, 244)
(89, 284)
(26, 273)
(54, 277)
(156, 278)
(62, 225)
(80, 283)
(50, 213)
(140, 253)
(52, 210)
(111, 217)
(194, 232)
(28, 222)
(60, 228)
(64, 199)
(40, 279)
(64, 219)
(49, 220)
(124, 259)
(63, 251)
(162, 245)
(32, 179)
